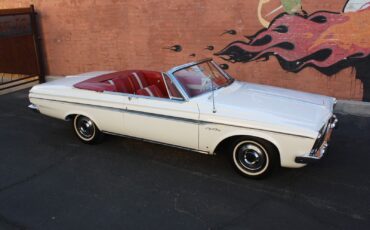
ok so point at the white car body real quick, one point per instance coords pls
(290, 120)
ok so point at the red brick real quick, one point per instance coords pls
(92, 35)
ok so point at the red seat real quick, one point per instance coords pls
(129, 81)
(151, 91)
(120, 85)
(138, 80)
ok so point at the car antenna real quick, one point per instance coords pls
(213, 98)
(213, 90)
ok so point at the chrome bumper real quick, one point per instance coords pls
(34, 108)
(317, 154)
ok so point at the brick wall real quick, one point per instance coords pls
(88, 35)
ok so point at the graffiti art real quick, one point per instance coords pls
(326, 41)
(210, 48)
(231, 32)
(288, 6)
(174, 48)
(355, 5)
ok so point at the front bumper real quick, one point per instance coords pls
(34, 108)
(317, 154)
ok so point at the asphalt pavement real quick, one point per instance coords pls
(50, 180)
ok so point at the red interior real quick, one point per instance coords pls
(192, 84)
(152, 91)
(98, 86)
(129, 81)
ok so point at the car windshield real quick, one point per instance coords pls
(201, 78)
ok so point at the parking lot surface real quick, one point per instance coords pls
(50, 180)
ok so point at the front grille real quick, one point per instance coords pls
(321, 138)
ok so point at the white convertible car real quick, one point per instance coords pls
(196, 106)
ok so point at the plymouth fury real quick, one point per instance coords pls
(196, 106)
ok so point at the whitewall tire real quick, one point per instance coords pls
(253, 157)
(86, 130)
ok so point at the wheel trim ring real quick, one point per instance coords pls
(251, 157)
(77, 130)
(243, 169)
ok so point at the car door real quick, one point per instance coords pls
(162, 120)
(108, 111)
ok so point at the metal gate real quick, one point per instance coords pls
(21, 59)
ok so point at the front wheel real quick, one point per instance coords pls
(86, 130)
(253, 157)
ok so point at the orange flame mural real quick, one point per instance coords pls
(322, 40)
(326, 41)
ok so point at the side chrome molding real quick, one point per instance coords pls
(200, 122)
(157, 142)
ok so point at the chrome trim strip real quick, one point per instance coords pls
(162, 116)
(157, 142)
(126, 111)
(165, 84)
(164, 75)
(77, 103)
(179, 86)
(130, 96)
(221, 70)
(200, 122)
(177, 68)
(244, 127)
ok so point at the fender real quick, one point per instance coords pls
(82, 113)
(245, 132)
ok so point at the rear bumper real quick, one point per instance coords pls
(316, 155)
(34, 108)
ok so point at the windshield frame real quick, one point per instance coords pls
(171, 74)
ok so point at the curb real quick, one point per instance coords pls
(52, 78)
(358, 108)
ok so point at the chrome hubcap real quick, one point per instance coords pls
(85, 127)
(251, 156)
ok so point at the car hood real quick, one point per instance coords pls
(271, 106)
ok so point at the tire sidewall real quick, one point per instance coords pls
(82, 138)
(268, 151)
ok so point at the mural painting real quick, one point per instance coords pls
(326, 41)
(289, 6)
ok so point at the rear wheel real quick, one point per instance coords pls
(86, 130)
(254, 157)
